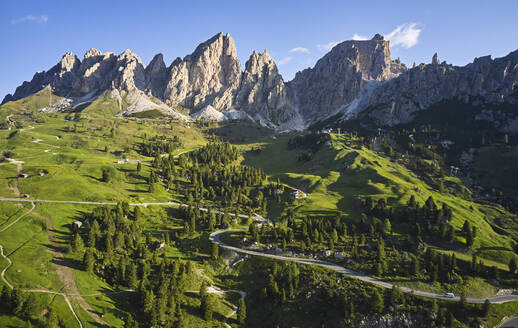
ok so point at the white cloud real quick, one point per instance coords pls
(406, 35)
(284, 60)
(300, 50)
(359, 37)
(30, 18)
(327, 46)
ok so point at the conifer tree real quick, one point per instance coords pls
(241, 311)
(376, 302)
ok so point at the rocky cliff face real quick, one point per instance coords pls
(262, 91)
(338, 77)
(129, 75)
(357, 78)
(483, 81)
(93, 72)
(62, 75)
(156, 76)
(208, 76)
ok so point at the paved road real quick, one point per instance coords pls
(511, 323)
(216, 235)
(215, 238)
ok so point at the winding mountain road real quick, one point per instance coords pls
(215, 238)
(509, 323)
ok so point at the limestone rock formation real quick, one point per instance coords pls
(129, 74)
(435, 59)
(94, 71)
(156, 75)
(355, 78)
(208, 76)
(338, 77)
(262, 90)
(483, 81)
(60, 77)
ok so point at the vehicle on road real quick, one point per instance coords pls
(449, 295)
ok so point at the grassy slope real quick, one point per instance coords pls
(74, 160)
(339, 174)
(74, 170)
(73, 163)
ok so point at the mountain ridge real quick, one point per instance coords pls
(358, 78)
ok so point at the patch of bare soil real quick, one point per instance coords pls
(65, 272)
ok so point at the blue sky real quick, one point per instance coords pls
(35, 34)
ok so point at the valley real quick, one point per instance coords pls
(361, 193)
(60, 168)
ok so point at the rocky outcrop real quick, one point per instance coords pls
(60, 77)
(129, 74)
(338, 77)
(212, 76)
(156, 76)
(358, 78)
(209, 76)
(435, 59)
(94, 72)
(483, 81)
(262, 91)
(414, 320)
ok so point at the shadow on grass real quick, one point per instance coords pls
(124, 302)
(494, 248)
(23, 244)
(94, 178)
(68, 262)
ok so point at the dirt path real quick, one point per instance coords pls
(7, 267)
(14, 188)
(19, 218)
(219, 291)
(214, 237)
(39, 141)
(65, 272)
(10, 123)
(33, 290)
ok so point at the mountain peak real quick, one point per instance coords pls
(208, 76)
(257, 61)
(128, 53)
(158, 59)
(378, 37)
(360, 73)
(92, 53)
(156, 76)
(69, 62)
(435, 59)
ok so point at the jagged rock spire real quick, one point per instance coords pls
(435, 59)
(208, 76)
(156, 76)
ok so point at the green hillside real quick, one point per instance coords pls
(342, 172)
(89, 154)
